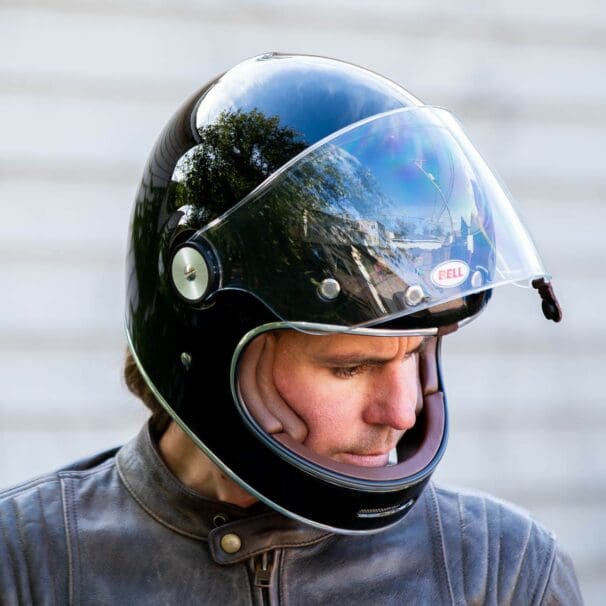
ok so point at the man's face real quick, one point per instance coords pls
(348, 397)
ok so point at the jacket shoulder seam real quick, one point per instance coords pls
(524, 553)
(50, 478)
(71, 536)
(28, 566)
(85, 473)
(547, 565)
(438, 526)
(46, 537)
(19, 489)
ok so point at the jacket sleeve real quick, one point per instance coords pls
(10, 591)
(495, 553)
(33, 553)
(562, 586)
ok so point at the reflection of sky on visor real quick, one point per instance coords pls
(415, 168)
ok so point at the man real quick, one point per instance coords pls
(305, 233)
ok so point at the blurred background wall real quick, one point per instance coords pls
(85, 87)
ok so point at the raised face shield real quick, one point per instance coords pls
(390, 216)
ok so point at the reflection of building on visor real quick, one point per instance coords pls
(377, 208)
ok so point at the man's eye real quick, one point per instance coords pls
(346, 372)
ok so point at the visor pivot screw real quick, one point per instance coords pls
(190, 273)
(329, 289)
(414, 295)
(476, 279)
(186, 360)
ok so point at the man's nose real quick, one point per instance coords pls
(394, 396)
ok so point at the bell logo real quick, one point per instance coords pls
(450, 274)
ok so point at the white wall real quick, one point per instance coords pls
(85, 88)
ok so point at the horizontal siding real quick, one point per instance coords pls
(529, 397)
(510, 462)
(542, 19)
(41, 450)
(67, 382)
(40, 216)
(111, 133)
(85, 87)
(195, 47)
(61, 301)
(54, 298)
(43, 212)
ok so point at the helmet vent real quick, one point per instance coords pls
(385, 511)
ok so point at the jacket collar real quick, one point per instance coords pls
(160, 493)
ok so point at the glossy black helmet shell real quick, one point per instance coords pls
(248, 123)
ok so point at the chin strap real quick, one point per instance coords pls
(549, 301)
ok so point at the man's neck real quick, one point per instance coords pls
(197, 471)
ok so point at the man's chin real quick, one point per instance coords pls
(363, 459)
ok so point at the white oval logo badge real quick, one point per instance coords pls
(450, 274)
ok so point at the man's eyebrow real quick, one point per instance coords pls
(359, 358)
(350, 358)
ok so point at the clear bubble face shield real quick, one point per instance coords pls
(390, 216)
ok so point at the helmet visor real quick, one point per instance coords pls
(390, 216)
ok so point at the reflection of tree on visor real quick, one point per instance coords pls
(377, 207)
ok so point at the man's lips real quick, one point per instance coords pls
(363, 459)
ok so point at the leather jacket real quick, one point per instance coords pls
(119, 528)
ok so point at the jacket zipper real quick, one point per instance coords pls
(264, 564)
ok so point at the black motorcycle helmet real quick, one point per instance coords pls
(299, 192)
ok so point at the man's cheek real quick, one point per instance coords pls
(287, 386)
